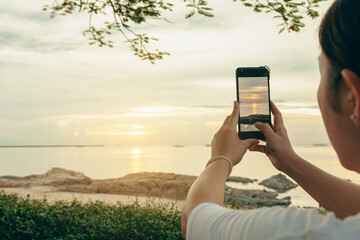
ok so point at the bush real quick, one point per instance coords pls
(25, 218)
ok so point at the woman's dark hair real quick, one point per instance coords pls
(340, 42)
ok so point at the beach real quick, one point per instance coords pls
(62, 184)
(112, 162)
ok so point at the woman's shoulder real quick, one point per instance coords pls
(281, 222)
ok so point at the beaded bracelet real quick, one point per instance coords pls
(221, 157)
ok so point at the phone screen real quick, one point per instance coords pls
(254, 102)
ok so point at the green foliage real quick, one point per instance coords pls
(322, 210)
(291, 12)
(23, 218)
(126, 14)
(200, 7)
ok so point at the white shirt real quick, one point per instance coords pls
(211, 221)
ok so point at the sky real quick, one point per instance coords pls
(56, 89)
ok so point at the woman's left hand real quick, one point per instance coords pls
(226, 141)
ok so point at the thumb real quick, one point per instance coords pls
(250, 142)
(266, 129)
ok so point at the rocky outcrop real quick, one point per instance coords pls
(155, 184)
(240, 179)
(253, 198)
(279, 183)
(140, 184)
(53, 177)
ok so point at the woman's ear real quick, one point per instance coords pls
(352, 80)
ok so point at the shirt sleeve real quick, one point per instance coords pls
(211, 221)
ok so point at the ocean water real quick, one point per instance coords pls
(117, 161)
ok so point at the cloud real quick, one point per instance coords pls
(54, 85)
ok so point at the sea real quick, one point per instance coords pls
(101, 162)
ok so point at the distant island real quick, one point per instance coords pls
(251, 119)
(47, 146)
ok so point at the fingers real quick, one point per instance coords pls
(258, 148)
(278, 120)
(266, 129)
(234, 117)
(226, 121)
(248, 143)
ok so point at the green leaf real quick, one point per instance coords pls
(190, 14)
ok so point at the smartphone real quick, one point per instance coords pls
(253, 95)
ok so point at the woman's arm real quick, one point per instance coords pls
(209, 186)
(334, 194)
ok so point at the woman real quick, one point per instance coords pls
(339, 102)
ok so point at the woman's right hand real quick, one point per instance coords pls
(278, 147)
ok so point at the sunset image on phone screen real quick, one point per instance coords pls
(254, 102)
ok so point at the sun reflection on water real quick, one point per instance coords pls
(254, 108)
(135, 163)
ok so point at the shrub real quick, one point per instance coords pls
(25, 218)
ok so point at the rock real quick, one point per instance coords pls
(254, 198)
(240, 179)
(155, 184)
(53, 177)
(279, 183)
(60, 176)
(7, 184)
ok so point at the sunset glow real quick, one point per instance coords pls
(135, 165)
(137, 127)
(253, 96)
(136, 151)
(254, 108)
(128, 133)
(135, 162)
(155, 109)
(60, 90)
